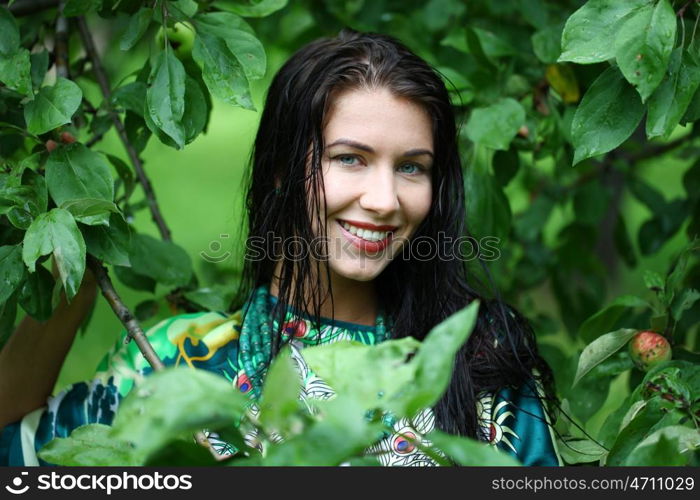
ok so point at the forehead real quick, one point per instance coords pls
(379, 119)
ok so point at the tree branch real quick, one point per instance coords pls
(135, 332)
(27, 7)
(121, 131)
(124, 314)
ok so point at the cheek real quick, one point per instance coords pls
(418, 204)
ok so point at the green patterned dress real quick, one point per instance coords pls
(510, 419)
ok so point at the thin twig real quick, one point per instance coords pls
(103, 82)
(126, 317)
(94, 140)
(135, 332)
(28, 7)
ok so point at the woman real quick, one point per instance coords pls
(355, 160)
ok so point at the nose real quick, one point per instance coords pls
(380, 194)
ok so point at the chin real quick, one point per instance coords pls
(355, 273)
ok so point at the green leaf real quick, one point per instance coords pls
(220, 24)
(53, 106)
(214, 298)
(85, 208)
(339, 363)
(195, 117)
(137, 131)
(9, 33)
(546, 44)
(186, 8)
(590, 32)
(75, 173)
(109, 244)
(580, 451)
(36, 293)
(470, 452)
(648, 195)
(146, 309)
(496, 125)
(666, 446)
(56, 232)
(435, 360)
(505, 165)
(81, 7)
(91, 445)
(280, 396)
(173, 402)
(252, 8)
(643, 46)
(343, 433)
(475, 48)
(134, 280)
(669, 102)
(685, 301)
(691, 181)
(249, 52)
(15, 72)
(493, 45)
(663, 451)
(165, 97)
(408, 386)
(528, 224)
(608, 114)
(642, 425)
(39, 66)
(653, 280)
(605, 319)
(130, 97)
(125, 175)
(11, 270)
(693, 112)
(25, 201)
(138, 24)
(8, 314)
(163, 261)
(488, 209)
(602, 348)
(223, 74)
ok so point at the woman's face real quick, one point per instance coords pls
(377, 179)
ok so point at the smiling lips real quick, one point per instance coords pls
(367, 237)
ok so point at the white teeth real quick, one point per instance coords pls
(365, 234)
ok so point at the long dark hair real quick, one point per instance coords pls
(416, 294)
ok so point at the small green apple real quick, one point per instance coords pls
(180, 37)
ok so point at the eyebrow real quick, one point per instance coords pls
(369, 149)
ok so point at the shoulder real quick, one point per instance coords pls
(192, 338)
(516, 420)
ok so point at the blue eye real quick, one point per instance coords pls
(412, 168)
(346, 159)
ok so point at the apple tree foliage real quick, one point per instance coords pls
(561, 106)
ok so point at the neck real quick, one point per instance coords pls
(353, 301)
